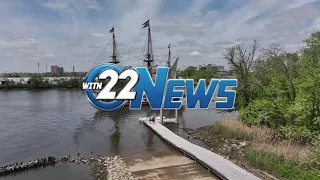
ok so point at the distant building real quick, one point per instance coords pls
(60, 70)
(210, 67)
(220, 68)
(202, 68)
(56, 69)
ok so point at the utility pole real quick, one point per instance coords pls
(46, 68)
(73, 74)
(38, 68)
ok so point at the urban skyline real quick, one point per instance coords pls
(45, 67)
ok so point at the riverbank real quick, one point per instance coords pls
(259, 150)
(39, 89)
(102, 167)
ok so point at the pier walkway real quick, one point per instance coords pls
(221, 167)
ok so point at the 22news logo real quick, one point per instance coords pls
(159, 92)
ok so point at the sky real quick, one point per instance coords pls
(74, 32)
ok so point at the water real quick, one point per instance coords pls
(36, 124)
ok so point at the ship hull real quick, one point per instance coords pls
(144, 102)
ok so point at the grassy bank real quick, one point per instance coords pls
(261, 150)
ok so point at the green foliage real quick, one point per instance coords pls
(259, 112)
(191, 73)
(38, 82)
(279, 89)
(279, 166)
(48, 74)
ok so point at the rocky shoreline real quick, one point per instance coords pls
(111, 168)
(103, 167)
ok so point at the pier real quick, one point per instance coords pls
(216, 164)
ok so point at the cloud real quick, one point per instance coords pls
(57, 5)
(99, 35)
(93, 4)
(74, 32)
(195, 53)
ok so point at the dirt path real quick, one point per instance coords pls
(169, 165)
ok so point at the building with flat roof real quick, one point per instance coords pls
(56, 69)
(210, 67)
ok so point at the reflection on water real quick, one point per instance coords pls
(41, 123)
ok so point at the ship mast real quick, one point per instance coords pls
(149, 56)
(114, 48)
(169, 56)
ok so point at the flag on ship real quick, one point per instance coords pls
(169, 46)
(146, 24)
(112, 30)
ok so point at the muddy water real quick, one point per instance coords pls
(36, 124)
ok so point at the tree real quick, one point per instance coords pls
(242, 59)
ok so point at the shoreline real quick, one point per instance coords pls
(38, 89)
(224, 147)
(101, 167)
(254, 149)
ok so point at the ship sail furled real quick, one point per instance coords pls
(114, 48)
(149, 56)
(173, 70)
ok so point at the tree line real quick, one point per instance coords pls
(38, 82)
(47, 74)
(279, 89)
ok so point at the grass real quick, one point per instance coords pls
(228, 133)
(263, 139)
(268, 152)
(279, 166)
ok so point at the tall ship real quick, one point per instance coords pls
(148, 59)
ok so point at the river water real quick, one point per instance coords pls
(37, 124)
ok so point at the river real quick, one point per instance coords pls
(37, 124)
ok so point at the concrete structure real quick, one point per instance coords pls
(202, 68)
(215, 163)
(170, 165)
(56, 69)
(210, 67)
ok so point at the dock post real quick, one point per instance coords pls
(161, 115)
(176, 115)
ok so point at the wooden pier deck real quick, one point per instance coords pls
(219, 166)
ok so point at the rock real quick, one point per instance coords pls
(233, 145)
(201, 138)
(189, 132)
(243, 144)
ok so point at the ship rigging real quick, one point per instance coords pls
(148, 58)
